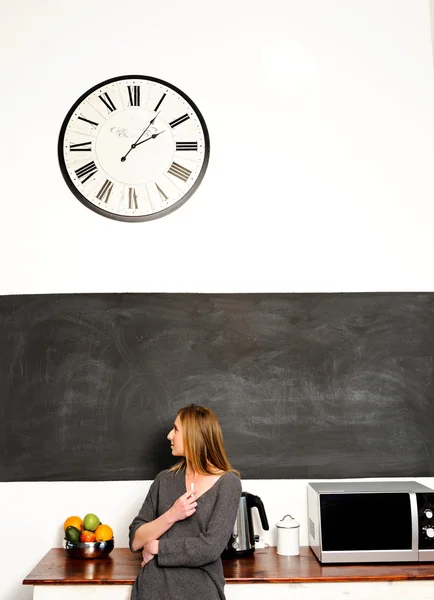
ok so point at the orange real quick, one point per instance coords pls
(104, 533)
(87, 536)
(73, 522)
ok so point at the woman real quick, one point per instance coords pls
(188, 515)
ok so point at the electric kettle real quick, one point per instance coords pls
(242, 540)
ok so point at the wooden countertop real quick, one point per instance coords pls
(264, 566)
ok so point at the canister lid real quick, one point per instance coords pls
(287, 522)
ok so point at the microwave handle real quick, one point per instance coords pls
(414, 523)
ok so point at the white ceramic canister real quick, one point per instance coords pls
(288, 536)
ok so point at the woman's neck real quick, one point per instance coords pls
(212, 470)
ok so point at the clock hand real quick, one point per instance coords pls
(152, 137)
(124, 158)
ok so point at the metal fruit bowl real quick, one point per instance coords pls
(88, 549)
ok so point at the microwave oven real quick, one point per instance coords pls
(386, 521)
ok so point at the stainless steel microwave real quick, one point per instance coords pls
(386, 521)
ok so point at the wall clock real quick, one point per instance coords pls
(133, 148)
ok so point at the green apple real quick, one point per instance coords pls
(91, 522)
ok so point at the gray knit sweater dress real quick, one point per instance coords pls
(188, 563)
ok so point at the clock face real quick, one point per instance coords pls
(133, 148)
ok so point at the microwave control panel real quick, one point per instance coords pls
(425, 512)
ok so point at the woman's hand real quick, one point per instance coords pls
(150, 549)
(184, 507)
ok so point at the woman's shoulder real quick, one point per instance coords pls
(230, 480)
(167, 475)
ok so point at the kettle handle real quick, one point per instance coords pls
(255, 501)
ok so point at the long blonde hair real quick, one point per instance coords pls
(203, 442)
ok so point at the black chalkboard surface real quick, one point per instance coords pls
(305, 385)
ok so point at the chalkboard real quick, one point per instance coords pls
(305, 385)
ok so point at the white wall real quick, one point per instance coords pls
(321, 121)
(321, 124)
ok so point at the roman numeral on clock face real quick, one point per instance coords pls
(179, 120)
(86, 172)
(159, 102)
(134, 95)
(105, 191)
(132, 198)
(88, 121)
(160, 191)
(84, 147)
(107, 101)
(184, 146)
(179, 171)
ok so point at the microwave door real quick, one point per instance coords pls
(368, 527)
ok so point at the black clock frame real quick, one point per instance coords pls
(133, 218)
